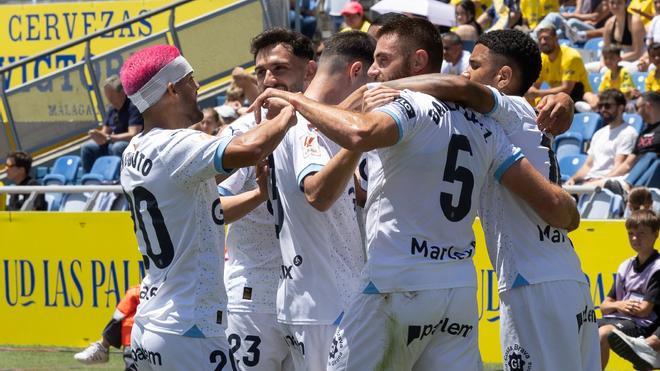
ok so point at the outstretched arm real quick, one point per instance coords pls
(234, 207)
(323, 188)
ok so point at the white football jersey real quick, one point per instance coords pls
(321, 251)
(253, 268)
(168, 179)
(522, 247)
(423, 194)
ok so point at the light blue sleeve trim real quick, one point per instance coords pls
(219, 153)
(311, 168)
(393, 114)
(222, 191)
(507, 164)
(496, 98)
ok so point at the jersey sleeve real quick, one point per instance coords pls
(508, 111)
(404, 110)
(506, 154)
(193, 157)
(234, 184)
(309, 153)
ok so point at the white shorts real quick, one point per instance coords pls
(549, 326)
(309, 345)
(421, 330)
(161, 351)
(257, 342)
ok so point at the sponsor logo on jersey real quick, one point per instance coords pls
(588, 315)
(440, 253)
(217, 213)
(445, 326)
(551, 234)
(292, 342)
(141, 354)
(247, 293)
(337, 347)
(516, 358)
(297, 260)
(286, 272)
(410, 112)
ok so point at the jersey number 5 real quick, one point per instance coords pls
(140, 195)
(457, 173)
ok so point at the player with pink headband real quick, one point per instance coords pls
(168, 176)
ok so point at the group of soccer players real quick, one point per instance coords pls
(309, 283)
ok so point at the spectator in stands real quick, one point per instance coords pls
(653, 28)
(534, 11)
(616, 76)
(122, 122)
(18, 166)
(381, 20)
(647, 145)
(562, 68)
(117, 333)
(630, 304)
(625, 31)
(455, 59)
(652, 82)
(211, 123)
(307, 10)
(642, 8)
(468, 29)
(354, 17)
(503, 14)
(610, 145)
(589, 16)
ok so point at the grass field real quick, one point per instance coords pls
(40, 358)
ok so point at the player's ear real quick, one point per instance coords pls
(355, 70)
(171, 89)
(504, 77)
(420, 60)
(310, 71)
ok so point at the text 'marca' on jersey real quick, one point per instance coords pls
(423, 194)
(168, 178)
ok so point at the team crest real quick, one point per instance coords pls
(311, 145)
(337, 348)
(516, 358)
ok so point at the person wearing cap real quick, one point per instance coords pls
(354, 18)
(169, 180)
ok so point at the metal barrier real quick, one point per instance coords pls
(33, 191)
(49, 111)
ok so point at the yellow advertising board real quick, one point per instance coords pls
(63, 273)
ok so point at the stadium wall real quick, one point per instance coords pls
(63, 273)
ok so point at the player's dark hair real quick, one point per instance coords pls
(415, 34)
(652, 97)
(344, 47)
(382, 19)
(612, 94)
(21, 159)
(520, 52)
(301, 46)
(643, 218)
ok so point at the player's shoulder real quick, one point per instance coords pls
(241, 125)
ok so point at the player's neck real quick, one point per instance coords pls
(163, 120)
(325, 89)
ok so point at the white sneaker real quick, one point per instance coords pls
(635, 350)
(575, 36)
(93, 354)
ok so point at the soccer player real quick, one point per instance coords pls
(539, 273)
(168, 179)
(321, 247)
(284, 60)
(428, 163)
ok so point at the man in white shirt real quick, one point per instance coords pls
(456, 60)
(168, 178)
(418, 302)
(610, 145)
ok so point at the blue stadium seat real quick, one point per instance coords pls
(468, 45)
(594, 80)
(40, 173)
(635, 120)
(105, 170)
(569, 164)
(639, 79)
(565, 42)
(63, 171)
(586, 123)
(568, 144)
(602, 204)
(594, 48)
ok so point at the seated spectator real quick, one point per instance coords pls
(211, 123)
(235, 98)
(610, 145)
(562, 68)
(652, 82)
(630, 304)
(381, 20)
(117, 333)
(625, 31)
(533, 11)
(307, 10)
(354, 17)
(122, 122)
(19, 165)
(589, 17)
(455, 59)
(467, 29)
(616, 77)
(647, 145)
(502, 14)
(653, 29)
(642, 8)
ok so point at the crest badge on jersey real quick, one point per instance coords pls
(311, 145)
(516, 358)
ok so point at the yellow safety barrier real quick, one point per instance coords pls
(63, 273)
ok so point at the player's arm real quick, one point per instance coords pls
(565, 87)
(324, 187)
(351, 130)
(554, 205)
(234, 207)
(257, 143)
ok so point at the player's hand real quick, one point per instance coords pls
(379, 96)
(555, 113)
(261, 171)
(265, 101)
